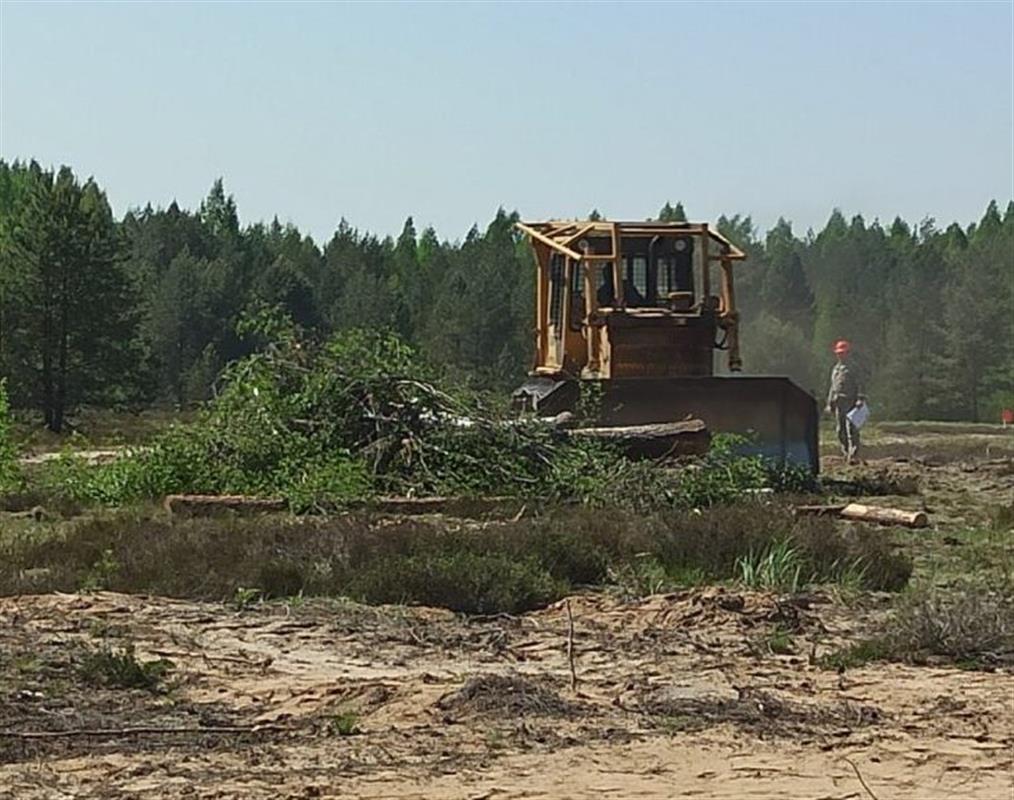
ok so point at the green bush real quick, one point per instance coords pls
(121, 669)
(10, 476)
(474, 583)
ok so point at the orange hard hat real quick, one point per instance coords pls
(841, 347)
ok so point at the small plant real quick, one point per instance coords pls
(121, 669)
(677, 723)
(244, 597)
(344, 723)
(857, 654)
(495, 739)
(102, 573)
(779, 568)
(780, 642)
(641, 576)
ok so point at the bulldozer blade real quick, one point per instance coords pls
(778, 419)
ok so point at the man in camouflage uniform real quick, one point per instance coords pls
(844, 395)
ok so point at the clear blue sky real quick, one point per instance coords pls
(447, 111)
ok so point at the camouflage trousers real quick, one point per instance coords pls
(848, 434)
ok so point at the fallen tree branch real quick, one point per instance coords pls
(142, 731)
(859, 775)
(570, 647)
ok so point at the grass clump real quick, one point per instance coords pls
(114, 668)
(344, 723)
(471, 582)
(971, 628)
(778, 568)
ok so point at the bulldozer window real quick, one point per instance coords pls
(576, 296)
(635, 284)
(556, 287)
(671, 276)
(606, 296)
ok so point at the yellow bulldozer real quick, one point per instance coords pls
(639, 309)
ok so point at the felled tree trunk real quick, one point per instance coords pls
(208, 505)
(684, 438)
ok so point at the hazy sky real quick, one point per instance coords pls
(373, 112)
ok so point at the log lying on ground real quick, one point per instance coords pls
(684, 438)
(863, 513)
(208, 505)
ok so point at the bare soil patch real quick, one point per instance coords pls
(671, 690)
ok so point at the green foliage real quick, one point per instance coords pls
(245, 596)
(121, 669)
(10, 475)
(858, 654)
(722, 476)
(344, 724)
(326, 424)
(102, 573)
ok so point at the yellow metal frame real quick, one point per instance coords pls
(591, 357)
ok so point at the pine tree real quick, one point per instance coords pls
(80, 333)
(669, 213)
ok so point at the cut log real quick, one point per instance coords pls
(885, 516)
(207, 505)
(863, 513)
(454, 506)
(684, 438)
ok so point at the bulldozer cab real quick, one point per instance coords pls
(640, 309)
(642, 299)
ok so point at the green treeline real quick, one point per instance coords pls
(146, 309)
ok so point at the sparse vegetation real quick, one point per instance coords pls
(120, 668)
(507, 565)
(971, 628)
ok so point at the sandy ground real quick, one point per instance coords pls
(677, 696)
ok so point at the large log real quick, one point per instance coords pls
(864, 513)
(683, 438)
(885, 516)
(207, 505)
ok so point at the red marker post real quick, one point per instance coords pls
(1007, 417)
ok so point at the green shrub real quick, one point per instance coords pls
(121, 669)
(10, 476)
(473, 583)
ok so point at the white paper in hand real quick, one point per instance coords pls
(858, 415)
